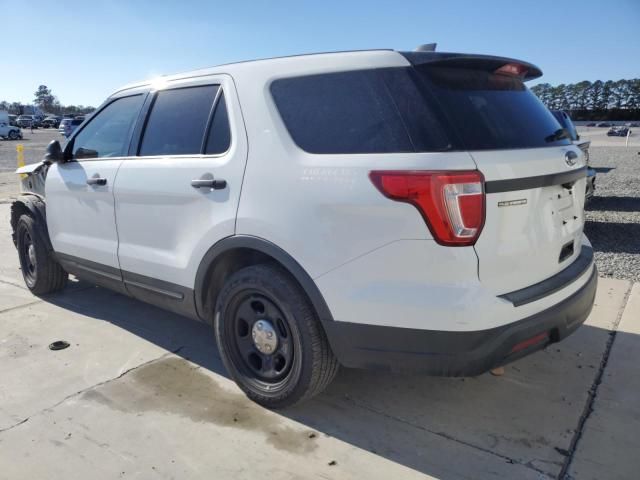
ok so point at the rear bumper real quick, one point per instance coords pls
(452, 353)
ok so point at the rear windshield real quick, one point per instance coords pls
(490, 111)
(413, 109)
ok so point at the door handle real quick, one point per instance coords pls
(209, 183)
(96, 181)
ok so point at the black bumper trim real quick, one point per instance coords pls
(552, 284)
(454, 354)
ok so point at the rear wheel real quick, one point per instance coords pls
(13, 135)
(41, 273)
(270, 339)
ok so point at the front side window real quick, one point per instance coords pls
(108, 133)
(178, 120)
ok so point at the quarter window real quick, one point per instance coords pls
(219, 139)
(365, 111)
(177, 121)
(109, 131)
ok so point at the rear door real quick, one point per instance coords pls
(179, 194)
(534, 176)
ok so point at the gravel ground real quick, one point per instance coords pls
(613, 214)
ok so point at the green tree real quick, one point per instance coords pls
(44, 98)
(606, 95)
(595, 93)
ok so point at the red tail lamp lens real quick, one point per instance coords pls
(451, 203)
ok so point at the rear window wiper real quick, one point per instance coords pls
(557, 135)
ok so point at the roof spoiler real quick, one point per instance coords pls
(509, 66)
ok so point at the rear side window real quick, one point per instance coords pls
(365, 111)
(108, 133)
(177, 121)
(489, 111)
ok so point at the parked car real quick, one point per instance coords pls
(51, 122)
(338, 217)
(592, 124)
(8, 131)
(565, 121)
(63, 123)
(27, 121)
(68, 125)
(604, 124)
(618, 132)
(632, 124)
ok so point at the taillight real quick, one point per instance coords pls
(451, 203)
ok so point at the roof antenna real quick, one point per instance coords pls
(427, 47)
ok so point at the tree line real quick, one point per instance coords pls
(46, 101)
(610, 100)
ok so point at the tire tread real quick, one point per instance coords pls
(51, 277)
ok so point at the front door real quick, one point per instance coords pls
(79, 192)
(180, 194)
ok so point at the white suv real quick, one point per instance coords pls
(381, 209)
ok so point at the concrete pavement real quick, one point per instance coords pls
(141, 393)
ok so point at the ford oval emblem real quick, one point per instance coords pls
(570, 158)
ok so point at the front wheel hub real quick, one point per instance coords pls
(31, 253)
(264, 337)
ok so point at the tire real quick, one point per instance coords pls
(41, 273)
(263, 299)
(13, 135)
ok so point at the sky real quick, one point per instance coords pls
(84, 50)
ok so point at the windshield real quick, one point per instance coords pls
(489, 111)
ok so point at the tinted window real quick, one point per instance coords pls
(177, 121)
(108, 132)
(355, 112)
(565, 122)
(491, 111)
(219, 139)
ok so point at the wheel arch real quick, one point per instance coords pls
(33, 205)
(233, 253)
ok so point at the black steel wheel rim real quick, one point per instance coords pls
(247, 313)
(28, 255)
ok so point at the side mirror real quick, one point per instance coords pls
(54, 153)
